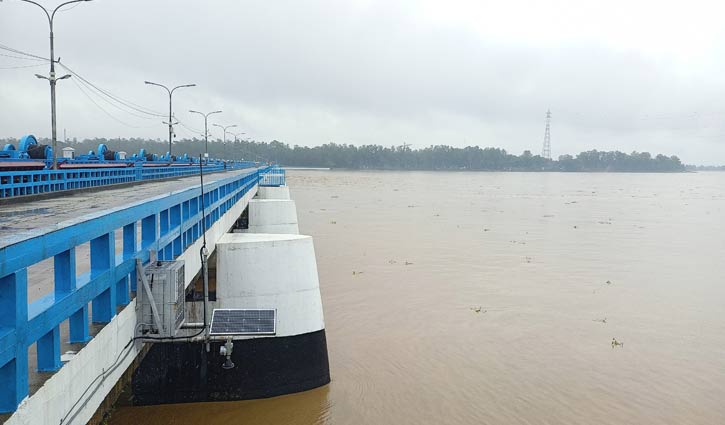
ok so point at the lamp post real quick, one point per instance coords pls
(52, 79)
(171, 123)
(236, 135)
(225, 129)
(206, 128)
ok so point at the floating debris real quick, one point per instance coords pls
(528, 259)
(392, 262)
(478, 309)
(575, 227)
(354, 273)
(604, 320)
(616, 343)
(408, 263)
(436, 215)
(609, 282)
(486, 230)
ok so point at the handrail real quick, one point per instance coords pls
(275, 176)
(33, 182)
(169, 224)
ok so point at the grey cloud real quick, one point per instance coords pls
(319, 71)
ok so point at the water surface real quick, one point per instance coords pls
(468, 298)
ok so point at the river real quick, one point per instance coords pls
(494, 298)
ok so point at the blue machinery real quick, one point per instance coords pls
(32, 154)
(169, 224)
(25, 171)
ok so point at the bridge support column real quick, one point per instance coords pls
(14, 315)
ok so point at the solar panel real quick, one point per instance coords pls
(235, 321)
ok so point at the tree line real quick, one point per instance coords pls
(377, 157)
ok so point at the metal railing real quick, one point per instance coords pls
(26, 183)
(168, 224)
(275, 176)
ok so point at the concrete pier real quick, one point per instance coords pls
(269, 271)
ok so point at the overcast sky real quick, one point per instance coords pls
(627, 75)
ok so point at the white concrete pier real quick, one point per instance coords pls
(271, 271)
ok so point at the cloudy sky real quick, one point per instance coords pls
(626, 75)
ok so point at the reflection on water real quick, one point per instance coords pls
(309, 407)
(494, 298)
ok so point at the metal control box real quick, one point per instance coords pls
(162, 313)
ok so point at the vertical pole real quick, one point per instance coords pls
(171, 128)
(206, 136)
(14, 315)
(52, 98)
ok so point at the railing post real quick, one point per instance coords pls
(164, 251)
(149, 231)
(129, 249)
(14, 315)
(48, 349)
(64, 265)
(175, 221)
(103, 260)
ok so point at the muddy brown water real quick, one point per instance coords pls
(470, 298)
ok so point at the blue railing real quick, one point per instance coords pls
(274, 177)
(25, 183)
(168, 224)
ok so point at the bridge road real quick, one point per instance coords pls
(22, 219)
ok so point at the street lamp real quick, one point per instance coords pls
(171, 123)
(225, 130)
(236, 135)
(52, 78)
(206, 128)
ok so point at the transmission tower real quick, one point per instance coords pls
(546, 151)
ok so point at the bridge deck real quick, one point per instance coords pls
(18, 220)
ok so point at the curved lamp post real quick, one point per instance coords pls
(206, 128)
(171, 123)
(236, 135)
(52, 78)
(225, 129)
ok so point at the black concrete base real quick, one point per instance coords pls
(264, 367)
